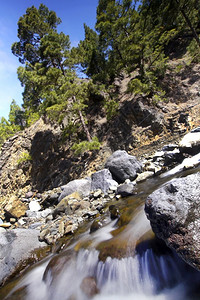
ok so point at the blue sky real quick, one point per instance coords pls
(73, 13)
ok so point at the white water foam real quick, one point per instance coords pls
(144, 276)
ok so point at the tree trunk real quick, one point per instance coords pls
(84, 126)
(83, 122)
(189, 24)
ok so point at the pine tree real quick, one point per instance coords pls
(16, 115)
(45, 53)
(89, 55)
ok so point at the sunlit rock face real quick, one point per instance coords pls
(191, 142)
(174, 213)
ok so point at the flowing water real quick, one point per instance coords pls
(122, 260)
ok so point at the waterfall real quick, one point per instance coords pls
(146, 275)
(147, 271)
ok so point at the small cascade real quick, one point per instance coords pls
(146, 275)
(147, 270)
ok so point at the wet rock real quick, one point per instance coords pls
(102, 180)
(96, 224)
(82, 186)
(126, 189)
(15, 246)
(56, 265)
(172, 157)
(174, 213)
(114, 212)
(89, 287)
(169, 147)
(123, 166)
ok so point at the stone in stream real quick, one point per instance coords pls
(126, 189)
(114, 212)
(174, 213)
(15, 247)
(89, 286)
(96, 224)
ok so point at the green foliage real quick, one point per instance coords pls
(84, 146)
(129, 37)
(179, 68)
(7, 130)
(111, 107)
(45, 53)
(24, 157)
(31, 117)
(194, 51)
(16, 115)
(136, 87)
(89, 56)
(32, 27)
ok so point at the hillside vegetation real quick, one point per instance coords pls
(132, 40)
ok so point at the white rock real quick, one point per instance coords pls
(190, 140)
(97, 193)
(34, 206)
(143, 176)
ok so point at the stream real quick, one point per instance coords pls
(121, 260)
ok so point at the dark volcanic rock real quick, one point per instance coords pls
(174, 213)
(123, 166)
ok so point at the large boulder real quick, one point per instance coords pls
(123, 166)
(102, 180)
(82, 186)
(15, 247)
(174, 213)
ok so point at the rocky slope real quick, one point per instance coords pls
(37, 158)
